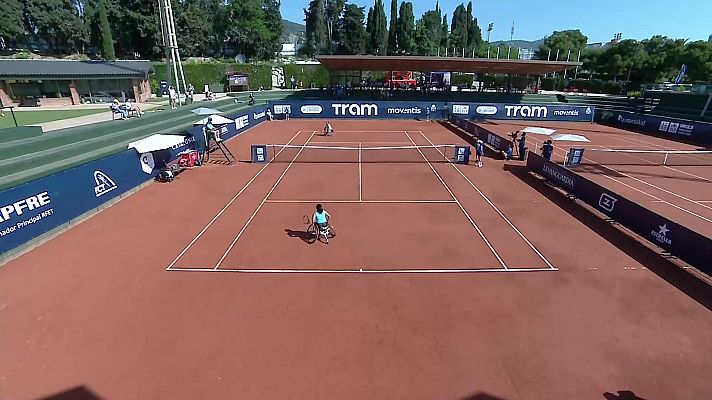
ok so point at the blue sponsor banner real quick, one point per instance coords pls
(535, 112)
(674, 238)
(34, 208)
(359, 109)
(694, 131)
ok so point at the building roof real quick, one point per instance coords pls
(65, 69)
(449, 64)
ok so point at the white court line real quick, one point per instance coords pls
(373, 141)
(642, 191)
(477, 228)
(360, 190)
(229, 203)
(699, 201)
(647, 183)
(364, 201)
(339, 130)
(365, 271)
(261, 204)
(501, 214)
(662, 165)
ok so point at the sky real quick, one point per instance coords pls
(597, 19)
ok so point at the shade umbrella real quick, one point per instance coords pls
(205, 111)
(539, 131)
(569, 137)
(216, 120)
(156, 142)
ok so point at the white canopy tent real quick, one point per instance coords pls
(569, 137)
(205, 111)
(539, 131)
(156, 142)
(217, 120)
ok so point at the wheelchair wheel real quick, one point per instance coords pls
(332, 231)
(311, 234)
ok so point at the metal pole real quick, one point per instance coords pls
(498, 52)
(12, 111)
(704, 110)
(164, 37)
(175, 52)
(577, 60)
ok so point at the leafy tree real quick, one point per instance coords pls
(334, 9)
(664, 55)
(474, 33)
(698, 57)
(194, 34)
(444, 39)
(58, 23)
(248, 30)
(562, 42)
(107, 40)
(273, 20)
(135, 27)
(405, 29)
(12, 26)
(428, 32)
(351, 33)
(458, 31)
(369, 29)
(378, 33)
(322, 19)
(316, 32)
(392, 30)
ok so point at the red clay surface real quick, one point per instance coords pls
(96, 309)
(682, 193)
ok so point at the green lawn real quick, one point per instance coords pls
(37, 117)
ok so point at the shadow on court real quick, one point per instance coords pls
(622, 395)
(689, 284)
(482, 396)
(77, 393)
(303, 235)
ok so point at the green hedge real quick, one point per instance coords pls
(309, 75)
(200, 74)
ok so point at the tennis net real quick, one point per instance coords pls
(341, 154)
(648, 157)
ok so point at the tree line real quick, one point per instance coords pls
(131, 28)
(648, 60)
(338, 27)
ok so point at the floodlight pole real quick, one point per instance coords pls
(168, 29)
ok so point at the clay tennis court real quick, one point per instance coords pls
(678, 186)
(443, 281)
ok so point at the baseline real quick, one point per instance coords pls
(232, 245)
(364, 270)
(229, 203)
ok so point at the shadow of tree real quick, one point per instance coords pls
(622, 395)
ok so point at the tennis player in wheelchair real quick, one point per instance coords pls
(321, 222)
(328, 129)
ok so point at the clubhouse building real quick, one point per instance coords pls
(36, 83)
